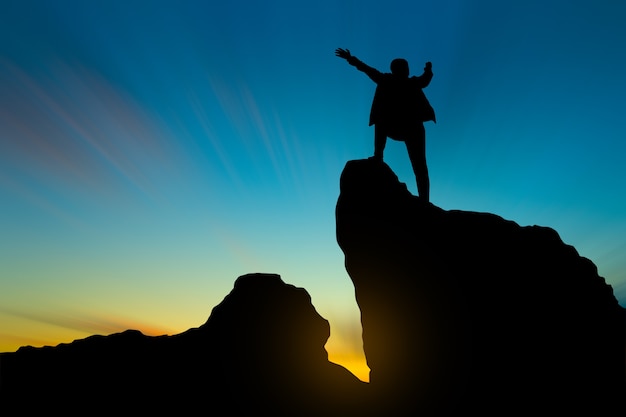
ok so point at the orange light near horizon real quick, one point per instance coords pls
(40, 329)
(353, 363)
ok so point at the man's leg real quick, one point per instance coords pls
(416, 147)
(380, 140)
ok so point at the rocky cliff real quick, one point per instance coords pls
(468, 312)
(260, 353)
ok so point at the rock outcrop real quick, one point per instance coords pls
(466, 312)
(260, 353)
(270, 345)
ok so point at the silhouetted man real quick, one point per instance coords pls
(398, 111)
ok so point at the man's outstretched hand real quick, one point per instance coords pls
(428, 66)
(343, 53)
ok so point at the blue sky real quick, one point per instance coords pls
(153, 151)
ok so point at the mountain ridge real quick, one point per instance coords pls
(260, 352)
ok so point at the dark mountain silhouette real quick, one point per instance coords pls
(462, 313)
(260, 353)
(466, 312)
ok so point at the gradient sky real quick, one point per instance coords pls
(153, 151)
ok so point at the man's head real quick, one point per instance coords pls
(400, 67)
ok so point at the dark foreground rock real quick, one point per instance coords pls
(463, 314)
(466, 312)
(260, 353)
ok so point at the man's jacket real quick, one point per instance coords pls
(398, 102)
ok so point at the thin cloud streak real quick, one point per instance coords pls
(80, 129)
(86, 323)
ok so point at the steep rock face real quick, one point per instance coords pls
(465, 311)
(261, 352)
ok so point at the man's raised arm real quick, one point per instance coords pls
(373, 73)
(425, 78)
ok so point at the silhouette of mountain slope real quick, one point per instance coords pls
(261, 352)
(462, 312)
(466, 311)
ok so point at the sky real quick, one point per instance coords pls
(153, 151)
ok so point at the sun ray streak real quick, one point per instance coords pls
(83, 128)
